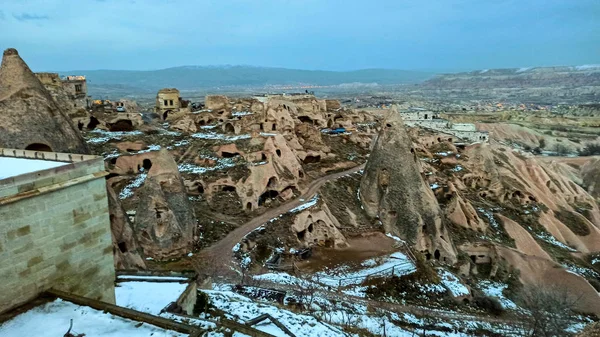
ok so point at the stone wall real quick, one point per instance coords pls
(167, 99)
(444, 126)
(55, 233)
(464, 126)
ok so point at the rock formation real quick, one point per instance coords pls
(165, 224)
(125, 246)
(317, 226)
(393, 190)
(29, 117)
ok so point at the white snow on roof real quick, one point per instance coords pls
(150, 297)
(150, 278)
(52, 319)
(10, 167)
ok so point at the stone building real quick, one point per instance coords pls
(70, 91)
(55, 230)
(167, 101)
(431, 120)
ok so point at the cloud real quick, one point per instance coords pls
(30, 17)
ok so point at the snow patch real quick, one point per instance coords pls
(452, 283)
(137, 182)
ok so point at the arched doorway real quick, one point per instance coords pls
(38, 147)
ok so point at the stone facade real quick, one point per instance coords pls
(55, 231)
(167, 100)
(430, 120)
(70, 91)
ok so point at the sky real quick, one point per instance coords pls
(431, 35)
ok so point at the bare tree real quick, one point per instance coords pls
(306, 289)
(549, 310)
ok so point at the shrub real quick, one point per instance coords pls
(590, 149)
(573, 221)
(489, 304)
(542, 143)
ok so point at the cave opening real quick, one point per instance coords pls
(269, 194)
(272, 182)
(38, 147)
(146, 164)
(306, 119)
(226, 154)
(228, 188)
(122, 247)
(312, 159)
(121, 125)
(93, 123)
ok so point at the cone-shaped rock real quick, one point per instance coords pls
(393, 189)
(165, 222)
(29, 117)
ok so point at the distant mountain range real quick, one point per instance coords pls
(531, 77)
(200, 77)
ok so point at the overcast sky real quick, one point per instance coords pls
(442, 35)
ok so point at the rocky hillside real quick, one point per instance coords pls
(542, 85)
(565, 77)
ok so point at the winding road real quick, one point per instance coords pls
(220, 254)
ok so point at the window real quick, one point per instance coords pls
(165, 103)
(78, 88)
(171, 102)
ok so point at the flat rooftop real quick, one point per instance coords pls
(54, 318)
(10, 167)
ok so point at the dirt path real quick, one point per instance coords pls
(220, 253)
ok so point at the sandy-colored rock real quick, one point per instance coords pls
(538, 271)
(525, 243)
(165, 223)
(317, 226)
(216, 102)
(127, 252)
(29, 117)
(393, 190)
(131, 146)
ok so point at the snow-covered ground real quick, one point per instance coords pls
(218, 136)
(127, 191)
(53, 319)
(221, 163)
(150, 297)
(241, 309)
(396, 264)
(495, 289)
(453, 283)
(328, 317)
(552, 240)
(10, 167)
(313, 201)
(104, 136)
